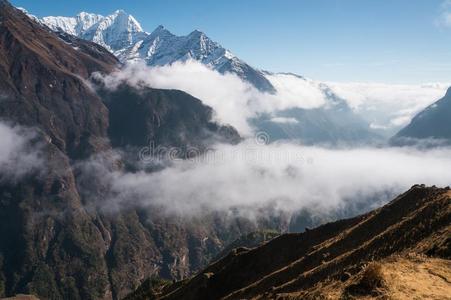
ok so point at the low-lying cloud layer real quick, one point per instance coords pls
(285, 177)
(249, 177)
(388, 106)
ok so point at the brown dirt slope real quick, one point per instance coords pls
(398, 250)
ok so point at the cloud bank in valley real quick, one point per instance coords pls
(281, 176)
(284, 177)
(388, 106)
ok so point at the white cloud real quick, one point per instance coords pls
(388, 105)
(233, 100)
(287, 177)
(295, 91)
(284, 120)
(17, 155)
(444, 18)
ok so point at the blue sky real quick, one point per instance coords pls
(391, 41)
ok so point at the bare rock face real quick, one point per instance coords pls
(54, 242)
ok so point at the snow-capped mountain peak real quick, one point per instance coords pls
(116, 31)
(122, 34)
(73, 25)
(160, 31)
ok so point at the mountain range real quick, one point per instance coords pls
(124, 37)
(334, 123)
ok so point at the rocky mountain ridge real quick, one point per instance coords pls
(366, 257)
(123, 36)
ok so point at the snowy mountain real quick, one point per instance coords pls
(334, 122)
(123, 35)
(162, 47)
(73, 25)
(116, 32)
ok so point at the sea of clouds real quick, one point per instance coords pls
(285, 177)
(288, 177)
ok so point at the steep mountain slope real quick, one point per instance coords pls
(59, 239)
(123, 35)
(433, 123)
(40, 73)
(161, 116)
(408, 237)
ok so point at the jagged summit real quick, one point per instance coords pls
(122, 34)
(159, 31)
(114, 32)
(197, 32)
(159, 27)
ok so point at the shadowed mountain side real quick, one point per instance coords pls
(55, 242)
(168, 118)
(42, 83)
(431, 126)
